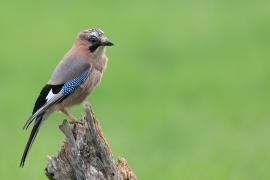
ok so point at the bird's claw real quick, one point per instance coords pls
(76, 122)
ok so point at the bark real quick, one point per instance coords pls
(85, 154)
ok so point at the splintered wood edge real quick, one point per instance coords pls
(100, 141)
(67, 130)
(118, 170)
(124, 170)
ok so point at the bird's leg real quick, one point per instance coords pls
(72, 118)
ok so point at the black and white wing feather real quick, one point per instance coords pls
(45, 95)
(55, 94)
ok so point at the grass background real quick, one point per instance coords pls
(185, 94)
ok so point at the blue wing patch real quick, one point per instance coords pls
(70, 86)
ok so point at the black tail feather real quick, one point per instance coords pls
(31, 138)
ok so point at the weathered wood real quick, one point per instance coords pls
(85, 155)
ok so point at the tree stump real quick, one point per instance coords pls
(85, 155)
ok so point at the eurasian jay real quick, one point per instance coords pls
(73, 79)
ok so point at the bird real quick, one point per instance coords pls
(72, 81)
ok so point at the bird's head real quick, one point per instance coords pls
(94, 39)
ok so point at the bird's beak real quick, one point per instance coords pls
(107, 43)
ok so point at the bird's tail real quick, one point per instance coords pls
(56, 98)
(31, 138)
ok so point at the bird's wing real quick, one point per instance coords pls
(46, 93)
(68, 68)
(52, 94)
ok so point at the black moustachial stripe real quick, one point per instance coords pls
(94, 47)
(41, 100)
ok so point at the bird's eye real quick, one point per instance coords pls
(92, 39)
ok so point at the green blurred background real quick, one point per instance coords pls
(185, 94)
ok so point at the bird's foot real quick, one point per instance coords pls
(74, 120)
